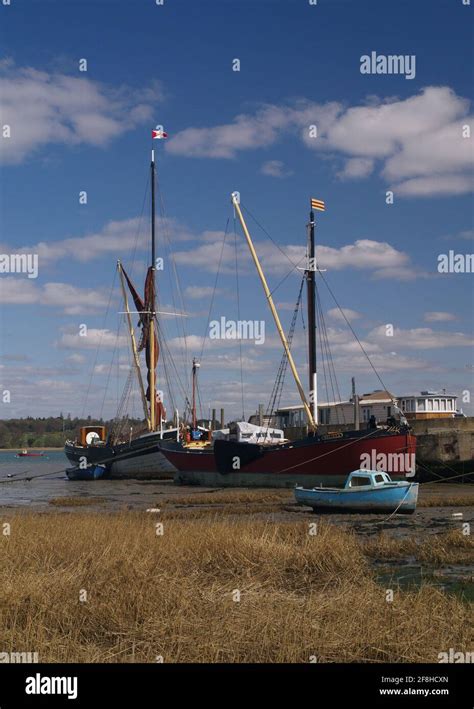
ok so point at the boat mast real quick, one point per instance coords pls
(311, 421)
(195, 368)
(311, 295)
(136, 359)
(153, 302)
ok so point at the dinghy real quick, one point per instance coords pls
(364, 491)
(90, 472)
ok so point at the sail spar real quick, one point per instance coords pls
(144, 308)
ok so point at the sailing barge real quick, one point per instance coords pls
(139, 456)
(225, 459)
(316, 459)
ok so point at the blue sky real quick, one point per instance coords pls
(231, 130)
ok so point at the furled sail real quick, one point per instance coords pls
(145, 308)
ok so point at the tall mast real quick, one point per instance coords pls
(311, 295)
(153, 303)
(311, 421)
(195, 368)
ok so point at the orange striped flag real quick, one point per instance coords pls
(317, 204)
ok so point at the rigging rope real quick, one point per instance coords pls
(352, 330)
(214, 290)
(99, 345)
(180, 321)
(238, 320)
(327, 286)
(275, 396)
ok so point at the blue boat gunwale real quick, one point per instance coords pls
(386, 483)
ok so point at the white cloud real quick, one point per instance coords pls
(386, 362)
(44, 108)
(467, 234)
(356, 168)
(76, 358)
(336, 314)
(275, 168)
(116, 238)
(418, 140)
(363, 254)
(422, 338)
(197, 292)
(70, 299)
(436, 185)
(439, 316)
(250, 131)
(95, 338)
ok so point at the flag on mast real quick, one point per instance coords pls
(318, 204)
(158, 134)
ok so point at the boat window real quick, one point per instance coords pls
(379, 479)
(359, 482)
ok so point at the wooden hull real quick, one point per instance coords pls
(139, 459)
(307, 462)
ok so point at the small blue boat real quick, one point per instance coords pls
(364, 491)
(91, 472)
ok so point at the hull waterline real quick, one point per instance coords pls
(310, 462)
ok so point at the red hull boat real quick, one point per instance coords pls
(316, 459)
(312, 461)
(26, 454)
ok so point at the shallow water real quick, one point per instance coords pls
(407, 574)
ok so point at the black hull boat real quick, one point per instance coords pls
(140, 458)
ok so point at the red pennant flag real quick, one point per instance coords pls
(158, 134)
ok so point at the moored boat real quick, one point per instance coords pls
(90, 472)
(318, 458)
(28, 454)
(364, 491)
(137, 455)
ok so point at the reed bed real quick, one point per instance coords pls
(174, 594)
(448, 548)
(466, 499)
(76, 501)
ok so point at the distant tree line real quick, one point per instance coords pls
(47, 432)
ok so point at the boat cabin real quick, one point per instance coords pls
(92, 435)
(244, 432)
(367, 478)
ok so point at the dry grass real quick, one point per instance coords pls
(466, 500)
(75, 501)
(232, 497)
(171, 595)
(448, 548)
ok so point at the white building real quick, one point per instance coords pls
(428, 405)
